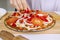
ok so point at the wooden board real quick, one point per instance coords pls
(53, 30)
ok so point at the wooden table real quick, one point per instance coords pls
(54, 30)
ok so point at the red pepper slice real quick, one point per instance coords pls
(42, 18)
(13, 25)
(21, 21)
(16, 14)
(27, 11)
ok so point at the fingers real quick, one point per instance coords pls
(16, 4)
(25, 5)
(19, 4)
(11, 2)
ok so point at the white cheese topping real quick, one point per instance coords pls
(18, 24)
(24, 23)
(20, 16)
(28, 28)
(31, 28)
(40, 14)
(49, 20)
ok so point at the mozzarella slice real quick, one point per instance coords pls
(40, 14)
(49, 20)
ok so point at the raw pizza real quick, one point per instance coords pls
(30, 20)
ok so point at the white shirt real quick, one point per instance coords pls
(45, 5)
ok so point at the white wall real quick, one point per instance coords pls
(3, 4)
(6, 5)
(9, 7)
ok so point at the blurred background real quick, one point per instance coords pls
(45, 5)
(6, 5)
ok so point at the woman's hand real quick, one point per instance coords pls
(20, 4)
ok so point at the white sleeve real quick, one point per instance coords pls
(36, 4)
(45, 5)
(30, 3)
(48, 5)
(57, 5)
